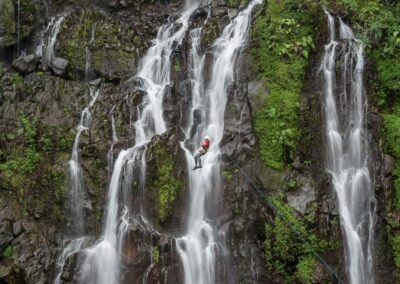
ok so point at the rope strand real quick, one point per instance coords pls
(289, 223)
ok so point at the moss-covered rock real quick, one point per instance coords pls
(9, 26)
(164, 183)
(97, 43)
(283, 40)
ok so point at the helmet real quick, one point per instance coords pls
(206, 137)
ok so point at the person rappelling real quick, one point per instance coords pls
(200, 152)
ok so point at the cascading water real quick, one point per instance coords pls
(102, 263)
(77, 195)
(71, 247)
(199, 247)
(110, 154)
(48, 52)
(88, 55)
(348, 159)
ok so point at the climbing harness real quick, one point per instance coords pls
(288, 222)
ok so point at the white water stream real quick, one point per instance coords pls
(70, 248)
(46, 50)
(77, 195)
(348, 159)
(199, 248)
(102, 263)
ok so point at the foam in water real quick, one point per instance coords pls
(70, 249)
(102, 263)
(348, 159)
(198, 249)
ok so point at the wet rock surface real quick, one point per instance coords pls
(112, 36)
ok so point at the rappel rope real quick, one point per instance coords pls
(289, 223)
(270, 203)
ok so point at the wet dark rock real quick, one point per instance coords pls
(218, 3)
(6, 234)
(199, 14)
(26, 63)
(4, 272)
(388, 165)
(303, 197)
(70, 268)
(95, 83)
(232, 13)
(59, 65)
(239, 139)
(18, 228)
(219, 12)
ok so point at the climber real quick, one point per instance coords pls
(201, 151)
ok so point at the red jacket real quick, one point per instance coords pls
(205, 144)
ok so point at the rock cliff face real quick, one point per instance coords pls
(40, 108)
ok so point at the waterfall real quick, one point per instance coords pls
(88, 55)
(348, 159)
(48, 53)
(102, 263)
(71, 247)
(77, 196)
(198, 249)
(110, 154)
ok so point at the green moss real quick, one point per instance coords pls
(16, 79)
(8, 17)
(227, 175)
(166, 184)
(392, 131)
(109, 42)
(305, 269)
(210, 32)
(8, 252)
(155, 256)
(283, 41)
(22, 161)
(286, 253)
(396, 250)
(32, 170)
(380, 25)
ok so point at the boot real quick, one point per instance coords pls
(195, 160)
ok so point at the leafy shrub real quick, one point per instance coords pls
(283, 40)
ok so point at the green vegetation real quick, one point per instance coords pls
(112, 43)
(23, 161)
(8, 252)
(31, 168)
(235, 3)
(228, 175)
(210, 32)
(285, 252)
(155, 256)
(283, 40)
(16, 79)
(392, 131)
(305, 269)
(167, 185)
(380, 24)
